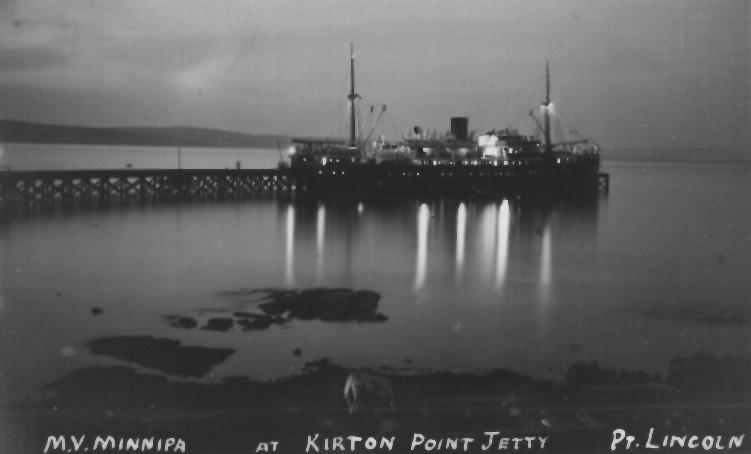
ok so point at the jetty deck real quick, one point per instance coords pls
(122, 185)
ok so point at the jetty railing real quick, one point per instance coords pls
(105, 186)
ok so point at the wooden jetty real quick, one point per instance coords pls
(122, 185)
(68, 187)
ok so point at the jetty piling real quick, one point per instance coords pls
(105, 186)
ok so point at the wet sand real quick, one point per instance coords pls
(700, 393)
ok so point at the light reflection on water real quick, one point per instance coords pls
(320, 241)
(461, 238)
(546, 265)
(504, 222)
(490, 234)
(488, 222)
(466, 284)
(423, 220)
(545, 282)
(289, 244)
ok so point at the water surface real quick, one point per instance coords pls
(34, 156)
(658, 268)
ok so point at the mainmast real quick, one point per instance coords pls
(546, 108)
(352, 96)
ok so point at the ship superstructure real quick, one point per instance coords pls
(499, 161)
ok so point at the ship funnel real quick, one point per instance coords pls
(459, 127)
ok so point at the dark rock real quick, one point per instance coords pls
(256, 322)
(218, 324)
(96, 310)
(297, 352)
(279, 306)
(164, 355)
(179, 321)
(326, 305)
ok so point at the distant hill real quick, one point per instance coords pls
(25, 132)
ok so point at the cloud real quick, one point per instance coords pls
(282, 64)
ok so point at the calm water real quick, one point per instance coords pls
(657, 269)
(22, 156)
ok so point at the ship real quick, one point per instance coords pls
(499, 162)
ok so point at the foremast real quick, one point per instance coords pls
(352, 96)
(546, 112)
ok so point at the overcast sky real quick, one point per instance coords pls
(663, 73)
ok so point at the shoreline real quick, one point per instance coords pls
(700, 393)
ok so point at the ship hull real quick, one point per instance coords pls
(407, 178)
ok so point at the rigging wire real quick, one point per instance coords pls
(372, 103)
(559, 130)
(363, 123)
(378, 120)
(576, 125)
